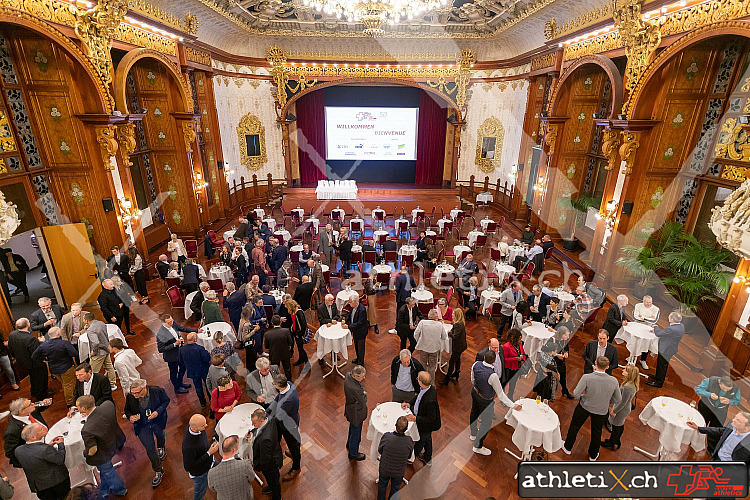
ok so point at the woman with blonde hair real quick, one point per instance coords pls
(458, 337)
(227, 349)
(628, 389)
(503, 247)
(298, 328)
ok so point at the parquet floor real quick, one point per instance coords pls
(326, 471)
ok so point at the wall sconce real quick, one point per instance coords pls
(609, 214)
(541, 185)
(513, 172)
(130, 215)
(743, 280)
(228, 172)
(198, 182)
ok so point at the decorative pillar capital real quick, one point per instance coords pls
(188, 133)
(610, 147)
(628, 149)
(126, 138)
(550, 137)
(105, 136)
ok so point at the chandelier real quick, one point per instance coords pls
(374, 14)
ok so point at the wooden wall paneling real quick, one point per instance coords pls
(213, 119)
(210, 132)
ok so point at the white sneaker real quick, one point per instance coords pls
(472, 437)
(392, 330)
(481, 451)
(594, 459)
(644, 365)
(566, 451)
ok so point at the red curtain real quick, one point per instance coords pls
(430, 140)
(311, 137)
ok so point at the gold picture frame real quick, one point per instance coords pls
(251, 125)
(491, 133)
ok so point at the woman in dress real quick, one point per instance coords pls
(210, 308)
(562, 350)
(630, 385)
(138, 274)
(445, 312)
(514, 359)
(225, 397)
(246, 335)
(298, 328)
(227, 349)
(458, 339)
(554, 313)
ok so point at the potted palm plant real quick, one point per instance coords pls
(579, 205)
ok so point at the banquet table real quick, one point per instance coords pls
(223, 273)
(70, 430)
(229, 234)
(379, 233)
(342, 298)
(535, 425)
(484, 223)
(638, 338)
(113, 332)
(314, 221)
(534, 337)
(408, 250)
(444, 269)
(441, 223)
(284, 234)
(334, 339)
(422, 295)
(455, 212)
(472, 236)
(188, 300)
(382, 269)
(669, 416)
(485, 198)
(336, 190)
(383, 419)
(503, 271)
(565, 297)
(299, 212)
(237, 422)
(259, 212)
(296, 248)
(356, 248)
(430, 233)
(488, 298)
(458, 250)
(416, 213)
(514, 251)
(206, 338)
(270, 222)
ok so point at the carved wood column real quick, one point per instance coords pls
(543, 205)
(188, 146)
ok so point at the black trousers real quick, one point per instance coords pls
(140, 282)
(454, 364)
(713, 418)
(18, 279)
(614, 437)
(410, 337)
(398, 308)
(501, 326)
(580, 415)
(292, 442)
(345, 266)
(272, 480)
(301, 348)
(662, 364)
(562, 369)
(57, 492)
(176, 373)
(38, 381)
(359, 348)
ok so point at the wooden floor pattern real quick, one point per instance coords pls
(326, 471)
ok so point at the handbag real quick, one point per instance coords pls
(307, 337)
(634, 402)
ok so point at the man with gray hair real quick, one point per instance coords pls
(60, 356)
(99, 347)
(616, 317)
(44, 464)
(112, 306)
(21, 345)
(47, 316)
(508, 300)
(71, 325)
(404, 371)
(198, 298)
(233, 477)
(23, 413)
(538, 303)
(430, 335)
(259, 382)
(669, 341)
(327, 311)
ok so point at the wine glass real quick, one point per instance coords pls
(692, 404)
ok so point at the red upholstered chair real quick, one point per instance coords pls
(356, 257)
(391, 256)
(449, 295)
(500, 222)
(175, 297)
(491, 227)
(407, 260)
(215, 242)
(384, 278)
(345, 311)
(216, 285)
(380, 239)
(191, 247)
(173, 282)
(269, 311)
(480, 241)
(371, 257)
(446, 280)
(495, 254)
(294, 255)
(548, 253)
(424, 308)
(402, 227)
(280, 238)
(355, 226)
(524, 274)
(495, 310)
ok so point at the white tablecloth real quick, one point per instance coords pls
(383, 419)
(278, 295)
(237, 422)
(336, 190)
(416, 212)
(314, 221)
(223, 273)
(342, 298)
(485, 198)
(188, 301)
(283, 233)
(379, 233)
(458, 250)
(271, 223)
(534, 337)
(515, 251)
(488, 298)
(333, 338)
(669, 417)
(455, 212)
(354, 222)
(356, 248)
(442, 222)
(503, 271)
(444, 269)
(484, 223)
(565, 298)
(113, 332)
(206, 339)
(472, 237)
(430, 233)
(382, 269)
(299, 212)
(534, 427)
(228, 234)
(401, 221)
(74, 448)
(408, 250)
(259, 212)
(422, 295)
(296, 248)
(638, 338)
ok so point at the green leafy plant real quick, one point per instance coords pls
(643, 262)
(579, 205)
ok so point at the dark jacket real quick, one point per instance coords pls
(12, 436)
(37, 319)
(241, 231)
(415, 367)
(253, 385)
(111, 304)
(58, 352)
(266, 447)
(355, 407)
(278, 256)
(100, 389)
(527, 237)
(101, 431)
(357, 322)
(395, 450)
(21, 345)
(158, 401)
(589, 356)
(278, 341)
(123, 268)
(323, 317)
(285, 409)
(303, 295)
(165, 341)
(196, 360)
(195, 457)
(190, 274)
(43, 464)
(402, 319)
(428, 414)
(546, 245)
(389, 246)
(163, 269)
(542, 306)
(403, 291)
(741, 452)
(234, 303)
(669, 339)
(195, 305)
(345, 249)
(458, 336)
(614, 321)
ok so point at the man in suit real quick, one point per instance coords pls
(597, 348)
(316, 277)
(60, 355)
(508, 300)
(268, 298)
(21, 345)
(22, 413)
(197, 454)
(98, 347)
(547, 243)
(267, 456)
(234, 301)
(616, 317)
(407, 319)
(303, 293)
(233, 477)
(279, 343)
(404, 371)
(395, 449)
(112, 306)
(146, 408)
(241, 230)
(168, 343)
(102, 438)
(278, 255)
(16, 268)
(197, 302)
(355, 410)
(285, 410)
(190, 276)
(356, 322)
(196, 360)
(327, 311)
(326, 244)
(119, 265)
(162, 266)
(345, 254)
(44, 464)
(389, 245)
(259, 382)
(72, 325)
(403, 286)
(426, 413)
(669, 341)
(538, 303)
(733, 440)
(596, 392)
(47, 316)
(90, 383)
(466, 269)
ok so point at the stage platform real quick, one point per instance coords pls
(369, 196)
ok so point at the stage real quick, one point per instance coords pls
(369, 196)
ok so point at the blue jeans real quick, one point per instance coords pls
(383, 486)
(352, 442)
(200, 485)
(110, 480)
(146, 435)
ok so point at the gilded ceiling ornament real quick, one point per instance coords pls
(550, 29)
(610, 147)
(553, 30)
(251, 125)
(126, 138)
(733, 142)
(188, 133)
(96, 28)
(105, 136)
(198, 56)
(628, 149)
(279, 72)
(188, 25)
(489, 144)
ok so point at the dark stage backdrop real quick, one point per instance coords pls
(426, 170)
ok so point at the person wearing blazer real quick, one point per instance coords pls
(196, 359)
(278, 256)
(355, 410)
(149, 422)
(23, 412)
(515, 357)
(285, 411)
(234, 301)
(599, 347)
(102, 438)
(267, 456)
(407, 318)
(177, 248)
(162, 267)
(279, 343)
(39, 318)
(95, 384)
(72, 325)
(405, 389)
(232, 478)
(426, 413)
(508, 300)
(190, 276)
(669, 341)
(538, 303)
(21, 345)
(119, 265)
(326, 244)
(356, 322)
(44, 464)
(303, 293)
(616, 317)
(197, 303)
(327, 311)
(260, 381)
(404, 285)
(168, 343)
(345, 254)
(732, 446)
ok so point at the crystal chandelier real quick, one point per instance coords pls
(374, 14)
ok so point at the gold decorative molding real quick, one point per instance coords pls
(96, 28)
(251, 125)
(188, 133)
(604, 43)
(49, 10)
(732, 141)
(628, 149)
(552, 30)
(188, 25)
(543, 61)
(198, 56)
(319, 55)
(610, 146)
(105, 136)
(735, 173)
(550, 137)
(126, 138)
(131, 34)
(490, 129)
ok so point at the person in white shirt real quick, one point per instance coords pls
(647, 312)
(503, 247)
(430, 335)
(177, 248)
(125, 362)
(529, 254)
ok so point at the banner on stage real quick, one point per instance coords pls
(365, 133)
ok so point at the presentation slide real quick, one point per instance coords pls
(364, 133)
